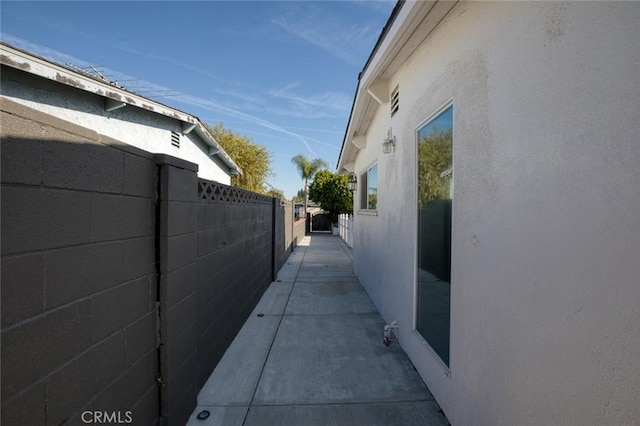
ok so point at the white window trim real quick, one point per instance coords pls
(366, 211)
(445, 369)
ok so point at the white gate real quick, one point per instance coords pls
(345, 225)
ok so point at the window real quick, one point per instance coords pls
(435, 198)
(369, 188)
(372, 187)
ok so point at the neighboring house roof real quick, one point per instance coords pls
(115, 96)
(409, 24)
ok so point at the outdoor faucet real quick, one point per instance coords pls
(387, 332)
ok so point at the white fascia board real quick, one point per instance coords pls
(398, 44)
(115, 97)
(216, 149)
(409, 17)
(348, 147)
(31, 64)
(357, 125)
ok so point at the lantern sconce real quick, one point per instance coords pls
(352, 183)
(389, 144)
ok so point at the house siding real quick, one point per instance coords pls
(545, 234)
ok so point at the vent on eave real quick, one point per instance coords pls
(395, 100)
(175, 139)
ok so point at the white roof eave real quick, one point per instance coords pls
(114, 95)
(391, 52)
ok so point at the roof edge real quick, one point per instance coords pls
(28, 62)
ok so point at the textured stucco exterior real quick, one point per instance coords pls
(546, 232)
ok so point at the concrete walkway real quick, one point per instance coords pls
(311, 353)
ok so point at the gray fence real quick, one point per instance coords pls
(124, 276)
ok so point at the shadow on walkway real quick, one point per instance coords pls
(311, 353)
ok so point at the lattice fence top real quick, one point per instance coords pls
(218, 192)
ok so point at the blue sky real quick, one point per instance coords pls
(282, 73)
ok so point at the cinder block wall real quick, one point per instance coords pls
(280, 249)
(78, 274)
(124, 276)
(217, 259)
(287, 206)
(288, 233)
(178, 249)
(299, 228)
(234, 265)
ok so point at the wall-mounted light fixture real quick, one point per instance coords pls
(352, 183)
(389, 144)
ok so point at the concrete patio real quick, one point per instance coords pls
(311, 353)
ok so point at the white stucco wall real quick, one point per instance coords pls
(134, 126)
(545, 295)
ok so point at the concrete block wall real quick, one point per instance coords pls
(219, 250)
(78, 274)
(215, 262)
(283, 233)
(288, 208)
(178, 248)
(124, 276)
(235, 231)
(289, 233)
(299, 230)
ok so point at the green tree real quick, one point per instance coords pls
(276, 193)
(332, 192)
(299, 197)
(307, 169)
(254, 159)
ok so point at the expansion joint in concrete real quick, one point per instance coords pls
(274, 337)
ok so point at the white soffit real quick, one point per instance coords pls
(115, 97)
(29, 63)
(415, 21)
(359, 141)
(379, 90)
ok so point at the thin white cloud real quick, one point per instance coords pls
(328, 32)
(338, 101)
(316, 130)
(270, 135)
(381, 6)
(249, 98)
(283, 101)
(215, 107)
(328, 104)
(66, 29)
(205, 104)
(167, 59)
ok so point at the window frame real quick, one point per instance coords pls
(364, 181)
(446, 366)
